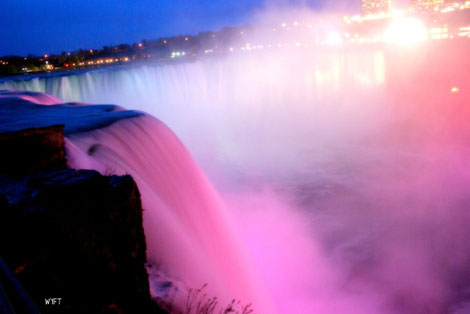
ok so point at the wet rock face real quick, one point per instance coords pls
(78, 236)
(32, 150)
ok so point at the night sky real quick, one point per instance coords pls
(53, 26)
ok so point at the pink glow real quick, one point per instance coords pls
(189, 233)
(34, 97)
(342, 176)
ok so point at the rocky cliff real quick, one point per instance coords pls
(34, 149)
(72, 236)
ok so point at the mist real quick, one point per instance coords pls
(345, 169)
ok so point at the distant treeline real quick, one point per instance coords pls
(158, 49)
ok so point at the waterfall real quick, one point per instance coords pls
(191, 236)
(189, 232)
(218, 107)
(341, 181)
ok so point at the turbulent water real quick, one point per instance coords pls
(342, 177)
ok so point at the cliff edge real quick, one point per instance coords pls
(72, 238)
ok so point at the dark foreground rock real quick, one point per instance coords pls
(71, 241)
(33, 149)
(78, 236)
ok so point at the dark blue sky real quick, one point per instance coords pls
(52, 26)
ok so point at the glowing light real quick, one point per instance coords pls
(379, 68)
(334, 39)
(140, 45)
(405, 31)
(454, 89)
(447, 10)
(464, 31)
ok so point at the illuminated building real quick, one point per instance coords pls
(376, 6)
(427, 4)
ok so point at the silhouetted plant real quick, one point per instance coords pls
(198, 302)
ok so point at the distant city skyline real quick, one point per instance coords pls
(41, 27)
(376, 6)
(386, 6)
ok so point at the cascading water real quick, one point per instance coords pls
(190, 235)
(216, 105)
(345, 180)
(189, 232)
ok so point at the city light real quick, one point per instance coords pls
(378, 24)
(405, 31)
(176, 54)
(464, 31)
(334, 39)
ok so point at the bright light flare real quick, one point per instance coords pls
(334, 39)
(406, 31)
(454, 89)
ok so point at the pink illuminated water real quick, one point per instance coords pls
(190, 234)
(337, 181)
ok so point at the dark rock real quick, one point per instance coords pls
(32, 150)
(13, 297)
(78, 236)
